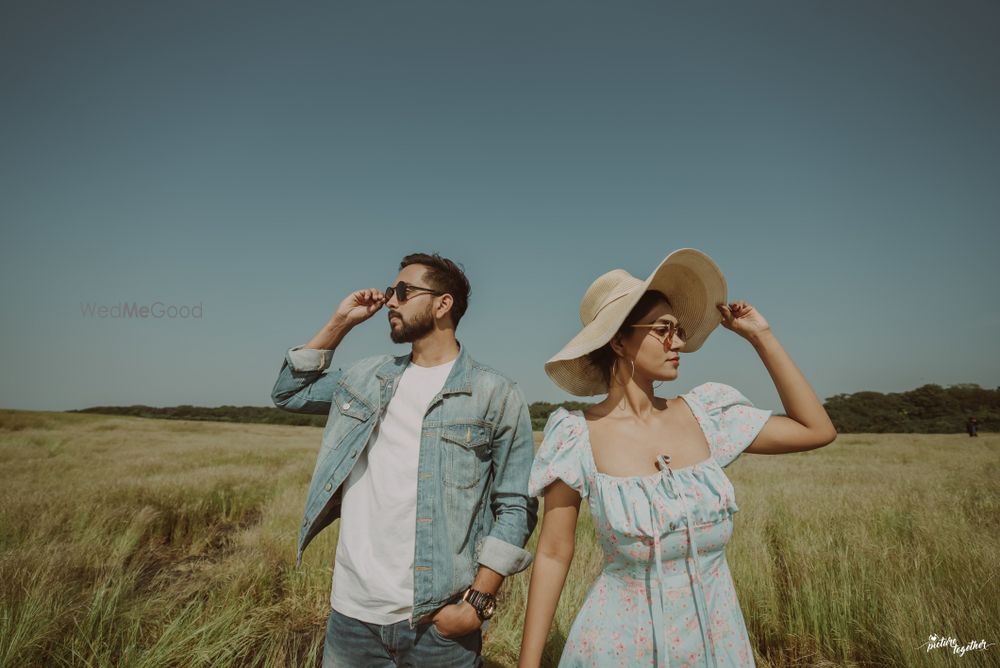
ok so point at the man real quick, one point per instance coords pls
(425, 459)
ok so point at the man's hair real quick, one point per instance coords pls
(444, 275)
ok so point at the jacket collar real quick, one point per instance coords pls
(459, 378)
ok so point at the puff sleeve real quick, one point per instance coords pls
(733, 420)
(560, 455)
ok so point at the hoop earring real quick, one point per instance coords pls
(614, 370)
(614, 374)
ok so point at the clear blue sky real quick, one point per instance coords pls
(840, 161)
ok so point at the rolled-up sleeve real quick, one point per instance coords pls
(514, 510)
(308, 359)
(304, 384)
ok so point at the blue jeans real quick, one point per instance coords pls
(351, 643)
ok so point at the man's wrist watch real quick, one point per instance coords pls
(484, 604)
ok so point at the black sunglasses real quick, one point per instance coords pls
(402, 290)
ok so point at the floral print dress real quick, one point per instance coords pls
(665, 596)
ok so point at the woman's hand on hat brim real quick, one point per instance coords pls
(742, 318)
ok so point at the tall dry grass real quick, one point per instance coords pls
(134, 542)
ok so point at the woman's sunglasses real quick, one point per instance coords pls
(664, 331)
(402, 290)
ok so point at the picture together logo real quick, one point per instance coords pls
(135, 310)
(938, 642)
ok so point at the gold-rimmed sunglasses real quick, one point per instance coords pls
(664, 332)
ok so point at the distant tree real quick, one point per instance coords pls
(541, 410)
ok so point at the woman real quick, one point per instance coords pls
(651, 469)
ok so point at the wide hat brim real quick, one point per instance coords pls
(689, 278)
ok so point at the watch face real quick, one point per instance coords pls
(485, 604)
(489, 608)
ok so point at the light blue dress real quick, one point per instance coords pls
(665, 596)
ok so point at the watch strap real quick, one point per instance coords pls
(483, 603)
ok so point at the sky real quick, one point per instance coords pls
(840, 161)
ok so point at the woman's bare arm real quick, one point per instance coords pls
(807, 425)
(553, 557)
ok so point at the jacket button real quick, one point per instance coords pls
(346, 406)
(328, 486)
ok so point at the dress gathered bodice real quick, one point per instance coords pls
(665, 595)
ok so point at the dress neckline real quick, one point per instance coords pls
(647, 476)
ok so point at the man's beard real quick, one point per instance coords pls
(408, 332)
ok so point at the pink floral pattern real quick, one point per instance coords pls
(684, 611)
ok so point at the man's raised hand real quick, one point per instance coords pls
(359, 306)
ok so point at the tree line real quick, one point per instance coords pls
(930, 409)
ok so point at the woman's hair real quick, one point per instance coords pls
(604, 356)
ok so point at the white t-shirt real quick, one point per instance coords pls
(373, 569)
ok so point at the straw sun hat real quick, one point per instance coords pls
(692, 282)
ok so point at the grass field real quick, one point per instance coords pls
(135, 542)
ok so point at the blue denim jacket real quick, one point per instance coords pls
(476, 452)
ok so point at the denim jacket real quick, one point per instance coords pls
(476, 452)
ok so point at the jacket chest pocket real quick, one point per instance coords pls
(348, 412)
(466, 452)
